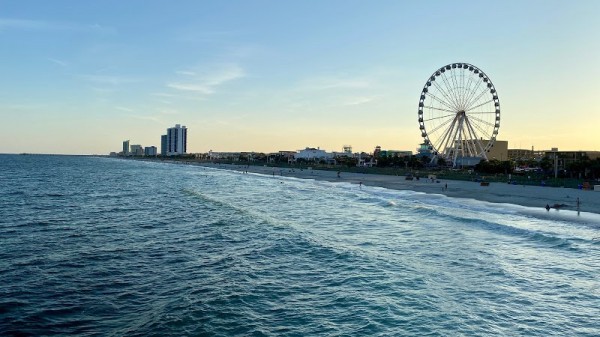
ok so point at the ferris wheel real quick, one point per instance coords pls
(459, 113)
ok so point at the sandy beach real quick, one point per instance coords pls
(531, 196)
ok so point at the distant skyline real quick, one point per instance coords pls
(79, 77)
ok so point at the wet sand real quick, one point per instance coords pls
(531, 196)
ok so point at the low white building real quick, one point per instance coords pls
(313, 154)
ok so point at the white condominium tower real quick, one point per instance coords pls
(176, 140)
(126, 148)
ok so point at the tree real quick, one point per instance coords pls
(546, 164)
(384, 161)
(493, 166)
(415, 163)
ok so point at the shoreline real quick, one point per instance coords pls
(523, 195)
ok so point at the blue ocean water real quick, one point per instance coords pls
(108, 247)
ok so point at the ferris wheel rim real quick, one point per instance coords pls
(459, 102)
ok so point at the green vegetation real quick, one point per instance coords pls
(578, 174)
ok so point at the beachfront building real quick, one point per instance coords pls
(126, 147)
(498, 151)
(525, 154)
(137, 150)
(281, 157)
(345, 154)
(176, 140)
(228, 156)
(163, 145)
(563, 159)
(394, 153)
(424, 150)
(150, 151)
(311, 154)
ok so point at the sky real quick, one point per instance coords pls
(79, 77)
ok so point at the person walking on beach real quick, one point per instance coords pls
(338, 174)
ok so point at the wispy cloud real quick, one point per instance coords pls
(102, 91)
(201, 88)
(359, 100)
(168, 98)
(122, 108)
(109, 79)
(163, 94)
(327, 83)
(168, 111)
(59, 62)
(194, 35)
(205, 81)
(40, 25)
(100, 28)
(23, 106)
(147, 118)
(185, 73)
(6, 24)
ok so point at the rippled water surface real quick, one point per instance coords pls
(108, 247)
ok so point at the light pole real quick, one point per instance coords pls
(555, 165)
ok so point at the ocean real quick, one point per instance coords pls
(95, 246)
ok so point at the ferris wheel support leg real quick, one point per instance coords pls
(478, 141)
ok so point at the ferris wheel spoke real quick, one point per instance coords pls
(447, 100)
(481, 112)
(450, 90)
(467, 89)
(473, 91)
(457, 89)
(439, 109)
(478, 97)
(462, 86)
(445, 94)
(477, 106)
(442, 142)
(440, 100)
(479, 127)
(434, 130)
(481, 121)
(444, 116)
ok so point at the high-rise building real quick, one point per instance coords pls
(176, 140)
(126, 148)
(163, 145)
